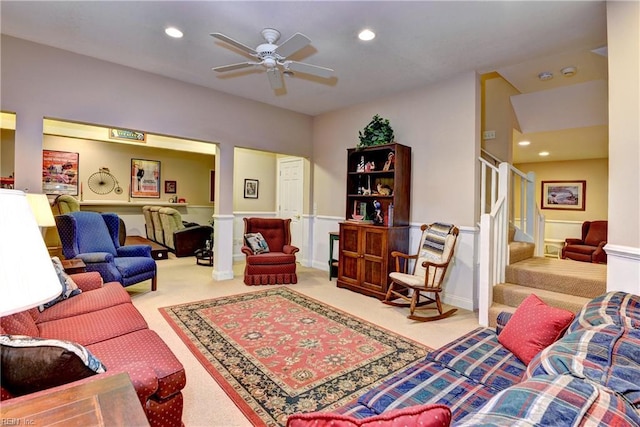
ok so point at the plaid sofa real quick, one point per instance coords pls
(591, 376)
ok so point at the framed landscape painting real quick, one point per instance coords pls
(565, 195)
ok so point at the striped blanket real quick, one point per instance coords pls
(434, 240)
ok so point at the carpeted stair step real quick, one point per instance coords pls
(519, 251)
(512, 295)
(563, 276)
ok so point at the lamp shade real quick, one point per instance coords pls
(27, 276)
(41, 209)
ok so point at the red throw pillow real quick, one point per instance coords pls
(533, 327)
(423, 415)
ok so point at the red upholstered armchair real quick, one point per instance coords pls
(274, 264)
(590, 247)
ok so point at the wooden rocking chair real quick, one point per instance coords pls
(431, 262)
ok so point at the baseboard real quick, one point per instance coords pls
(222, 275)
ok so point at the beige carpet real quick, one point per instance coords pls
(180, 280)
(565, 276)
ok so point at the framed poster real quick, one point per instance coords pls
(251, 188)
(565, 195)
(145, 178)
(170, 187)
(60, 172)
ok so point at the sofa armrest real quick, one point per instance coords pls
(87, 281)
(571, 241)
(502, 320)
(143, 378)
(288, 249)
(134, 250)
(246, 250)
(95, 257)
(188, 240)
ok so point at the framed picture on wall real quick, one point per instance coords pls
(60, 172)
(145, 178)
(251, 188)
(565, 195)
(170, 187)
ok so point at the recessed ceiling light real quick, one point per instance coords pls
(173, 32)
(366, 35)
(523, 143)
(543, 153)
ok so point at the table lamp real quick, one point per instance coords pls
(41, 209)
(27, 276)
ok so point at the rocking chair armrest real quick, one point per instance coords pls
(427, 264)
(402, 261)
(397, 254)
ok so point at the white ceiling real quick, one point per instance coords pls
(418, 43)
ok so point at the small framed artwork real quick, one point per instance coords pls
(170, 187)
(565, 195)
(145, 178)
(251, 188)
(60, 172)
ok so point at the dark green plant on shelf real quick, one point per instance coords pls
(377, 132)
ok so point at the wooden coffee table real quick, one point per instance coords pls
(105, 401)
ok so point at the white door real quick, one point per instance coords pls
(290, 196)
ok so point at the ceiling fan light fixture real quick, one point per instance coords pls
(173, 32)
(366, 35)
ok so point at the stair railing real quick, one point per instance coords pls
(498, 191)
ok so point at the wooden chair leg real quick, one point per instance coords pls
(389, 292)
(438, 303)
(154, 283)
(415, 301)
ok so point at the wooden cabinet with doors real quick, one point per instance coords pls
(365, 256)
(378, 195)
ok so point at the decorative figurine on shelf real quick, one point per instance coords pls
(384, 189)
(390, 163)
(367, 191)
(369, 166)
(360, 167)
(377, 218)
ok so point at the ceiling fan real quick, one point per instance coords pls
(274, 57)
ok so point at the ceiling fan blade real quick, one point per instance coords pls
(314, 70)
(275, 78)
(292, 45)
(235, 66)
(233, 42)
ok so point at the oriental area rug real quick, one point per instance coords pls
(277, 352)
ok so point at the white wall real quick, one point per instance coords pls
(39, 81)
(623, 248)
(441, 124)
